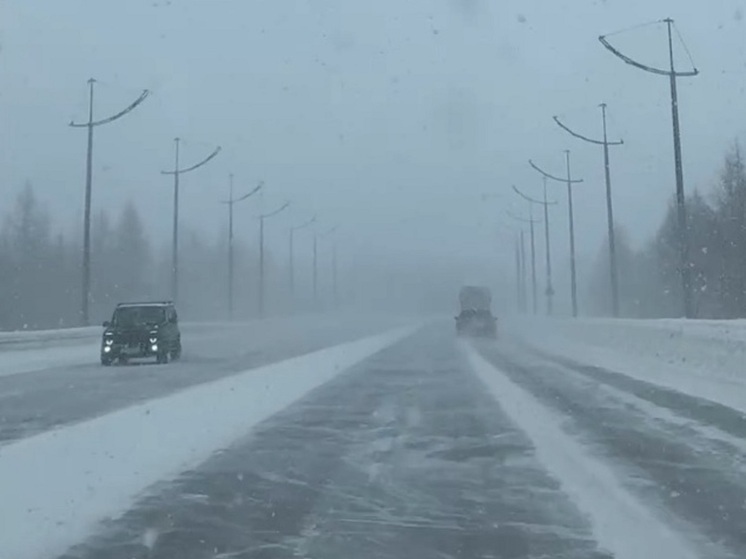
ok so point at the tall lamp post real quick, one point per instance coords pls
(569, 181)
(328, 233)
(291, 253)
(549, 292)
(522, 261)
(261, 253)
(683, 232)
(90, 125)
(613, 270)
(230, 203)
(177, 172)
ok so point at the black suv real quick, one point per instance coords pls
(141, 330)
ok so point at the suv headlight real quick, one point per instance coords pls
(109, 341)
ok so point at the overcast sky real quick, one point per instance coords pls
(390, 118)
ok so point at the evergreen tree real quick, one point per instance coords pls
(730, 210)
(29, 252)
(131, 257)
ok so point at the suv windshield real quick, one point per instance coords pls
(136, 316)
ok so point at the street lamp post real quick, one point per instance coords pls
(261, 254)
(683, 231)
(530, 221)
(613, 273)
(569, 181)
(328, 233)
(291, 254)
(230, 203)
(90, 125)
(175, 234)
(549, 292)
(315, 269)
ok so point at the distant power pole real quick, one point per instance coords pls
(331, 232)
(175, 240)
(569, 181)
(291, 253)
(613, 269)
(549, 290)
(261, 254)
(524, 305)
(683, 234)
(315, 270)
(230, 203)
(518, 278)
(90, 125)
(335, 290)
(534, 294)
(530, 221)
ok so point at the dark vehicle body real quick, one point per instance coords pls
(476, 318)
(141, 330)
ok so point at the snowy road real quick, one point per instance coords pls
(38, 393)
(435, 447)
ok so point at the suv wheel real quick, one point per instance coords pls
(106, 361)
(162, 358)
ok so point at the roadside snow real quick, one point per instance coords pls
(57, 486)
(621, 525)
(704, 359)
(35, 336)
(657, 415)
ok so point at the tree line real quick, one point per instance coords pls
(41, 272)
(650, 284)
(40, 269)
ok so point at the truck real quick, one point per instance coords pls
(476, 318)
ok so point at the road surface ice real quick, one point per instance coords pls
(426, 447)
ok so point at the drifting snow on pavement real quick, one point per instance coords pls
(57, 485)
(405, 456)
(621, 525)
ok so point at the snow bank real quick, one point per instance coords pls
(621, 524)
(55, 487)
(37, 336)
(703, 358)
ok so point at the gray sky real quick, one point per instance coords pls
(390, 118)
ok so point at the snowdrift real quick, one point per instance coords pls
(703, 358)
